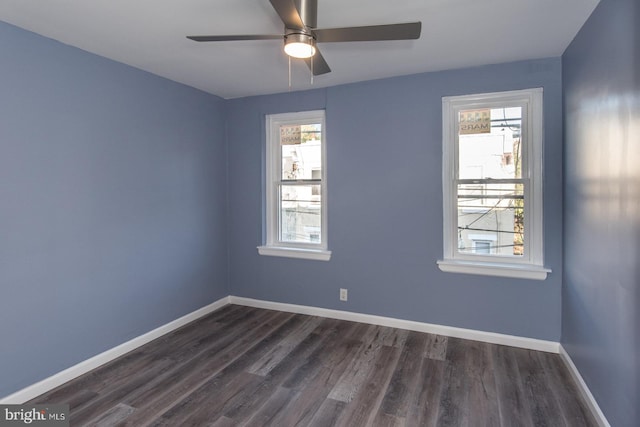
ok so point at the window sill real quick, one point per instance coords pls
(312, 254)
(529, 271)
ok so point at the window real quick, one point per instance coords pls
(492, 184)
(296, 194)
(481, 247)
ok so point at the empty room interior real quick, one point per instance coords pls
(301, 212)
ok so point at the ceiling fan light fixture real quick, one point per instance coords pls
(301, 33)
(299, 45)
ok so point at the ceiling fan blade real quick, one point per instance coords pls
(237, 37)
(319, 65)
(407, 31)
(289, 14)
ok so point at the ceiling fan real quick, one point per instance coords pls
(301, 35)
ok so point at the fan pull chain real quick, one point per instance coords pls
(312, 70)
(289, 73)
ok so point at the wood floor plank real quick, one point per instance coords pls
(188, 414)
(483, 404)
(328, 413)
(275, 356)
(120, 369)
(248, 366)
(136, 383)
(386, 420)
(219, 335)
(321, 349)
(574, 411)
(397, 397)
(181, 383)
(322, 355)
(242, 408)
(304, 403)
(544, 408)
(210, 359)
(188, 334)
(512, 405)
(205, 360)
(80, 399)
(363, 362)
(112, 417)
(392, 337)
(223, 422)
(454, 410)
(212, 387)
(363, 408)
(303, 407)
(436, 347)
(272, 407)
(202, 414)
(117, 372)
(423, 411)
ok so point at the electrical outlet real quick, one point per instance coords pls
(343, 294)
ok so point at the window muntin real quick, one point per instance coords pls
(296, 185)
(492, 181)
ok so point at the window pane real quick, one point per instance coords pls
(489, 144)
(301, 151)
(300, 213)
(491, 213)
(482, 246)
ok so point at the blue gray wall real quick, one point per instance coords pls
(112, 205)
(601, 295)
(385, 204)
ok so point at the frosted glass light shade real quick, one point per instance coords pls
(299, 46)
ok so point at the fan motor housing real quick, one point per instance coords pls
(298, 36)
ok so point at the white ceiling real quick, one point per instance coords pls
(150, 35)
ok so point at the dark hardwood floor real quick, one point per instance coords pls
(254, 367)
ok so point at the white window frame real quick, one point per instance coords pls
(531, 264)
(273, 179)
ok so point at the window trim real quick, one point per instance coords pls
(532, 265)
(272, 245)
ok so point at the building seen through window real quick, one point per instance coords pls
(300, 193)
(490, 193)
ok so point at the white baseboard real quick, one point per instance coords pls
(75, 371)
(584, 389)
(450, 331)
